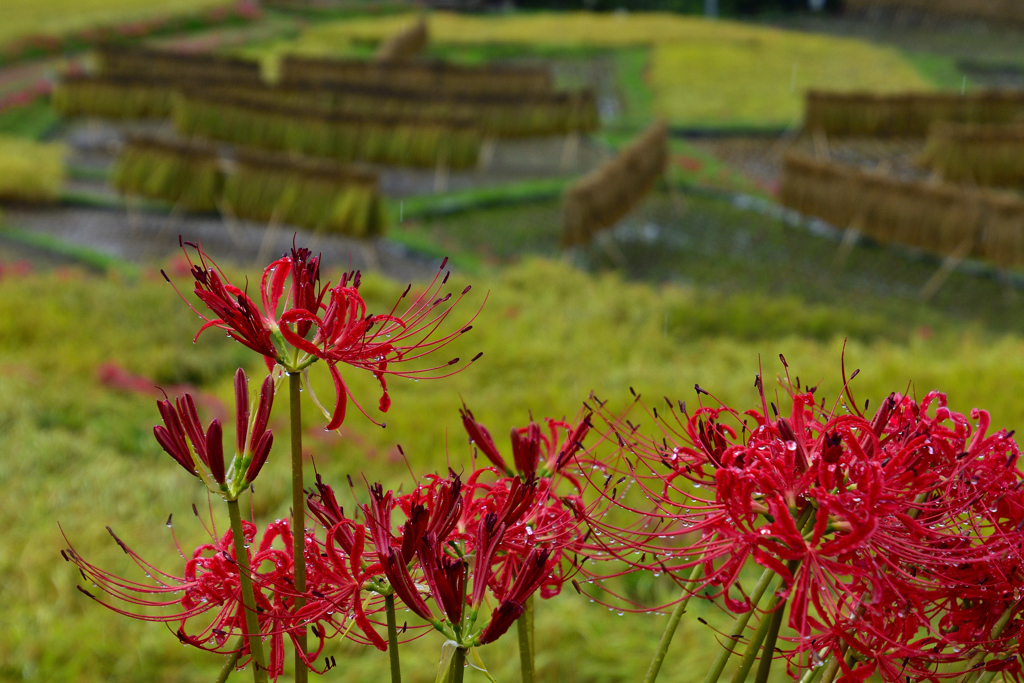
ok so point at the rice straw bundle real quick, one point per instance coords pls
(404, 44)
(598, 200)
(938, 218)
(420, 75)
(112, 98)
(315, 195)
(990, 155)
(908, 114)
(994, 10)
(137, 62)
(187, 175)
(394, 140)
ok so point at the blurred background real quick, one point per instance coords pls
(654, 194)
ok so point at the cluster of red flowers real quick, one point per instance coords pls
(460, 539)
(898, 538)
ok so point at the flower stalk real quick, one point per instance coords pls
(672, 625)
(396, 666)
(754, 645)
(252, 626)
(459, 665)
(525, 648)
(741, 624)
(298, 519)
(232, 661)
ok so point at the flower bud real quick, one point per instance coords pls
(241, 410)
(215, 451)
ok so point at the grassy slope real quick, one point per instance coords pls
(55, 17)
(83, 455)
(30, 171)
(704, 73)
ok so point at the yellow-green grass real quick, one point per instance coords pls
(57, 17)
(83, 455)
(703, 73)
(30, 171)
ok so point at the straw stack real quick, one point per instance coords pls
(403, 141)
(938, 218)
(112, 97)
(598, 200)
(141, 63)
(994, 10)
(197, 176)
(187, 175)
(313, 194)
(990, 155)
(405, 44)
(908, 114)
(419, 75)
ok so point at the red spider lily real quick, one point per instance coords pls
(210, 610)
(208, 596)
(343, 332)
(235, 312)
(463, 544)
(888, 533)
(533, 451)
(348, 335)
(201, 452)
(348, 571)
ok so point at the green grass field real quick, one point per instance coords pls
(56, 17)
(30, 171)
(82, 455)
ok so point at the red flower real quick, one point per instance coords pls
(348, 335)
(898, 538)
(464, 544)
(342, 330)
(209, 588)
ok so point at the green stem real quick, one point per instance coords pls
(741, 624)
(458, 665)
(529, 613)
(232, 660)
(396, 667)
(754, 646)
(252, 624)
(673, 623)
(803, 523)
(832, 668)
(765, 667)
(298, 520)
(525, 658)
